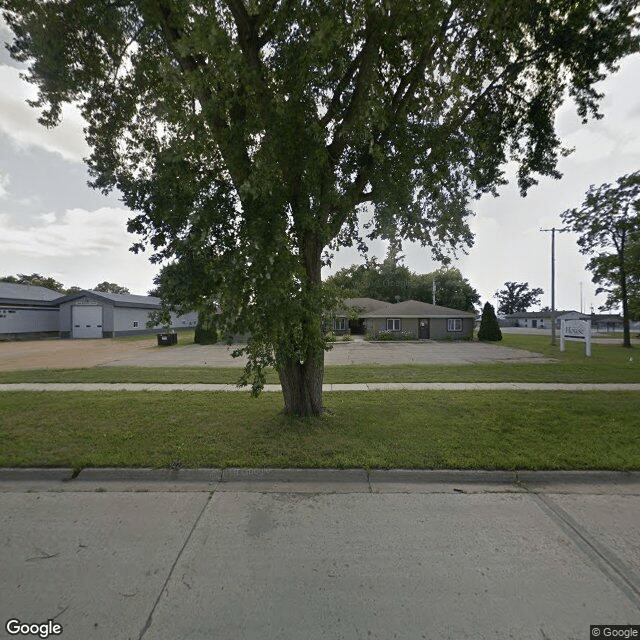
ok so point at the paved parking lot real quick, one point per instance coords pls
(145, 353)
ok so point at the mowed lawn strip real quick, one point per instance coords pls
(390, 429)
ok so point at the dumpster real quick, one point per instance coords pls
(167, 339)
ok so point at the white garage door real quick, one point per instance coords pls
(87, 321)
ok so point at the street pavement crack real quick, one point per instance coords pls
(617, 571)
(147, 624)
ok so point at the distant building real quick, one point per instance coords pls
(600, 322)
(528, 319)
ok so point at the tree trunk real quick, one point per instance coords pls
(302, 385)
(301, 377)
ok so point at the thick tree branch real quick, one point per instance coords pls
(343, 83)
(359, 94)
(247, 33)
(232, 145)
(409, 82)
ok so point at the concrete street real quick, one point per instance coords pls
(306, 554)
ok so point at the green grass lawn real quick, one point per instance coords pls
(390, 429)
(609, 363)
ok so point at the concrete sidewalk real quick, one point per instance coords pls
(368, 386)
(306, 554)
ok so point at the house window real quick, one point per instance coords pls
(393, 324)
(339, 324)
(454, 324)
(135, 324)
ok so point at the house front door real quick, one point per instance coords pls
(423, 329)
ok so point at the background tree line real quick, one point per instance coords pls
(37, 280)
(393, 282)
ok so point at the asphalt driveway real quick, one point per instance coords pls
(341, 353)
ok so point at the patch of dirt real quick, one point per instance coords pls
(70, 354)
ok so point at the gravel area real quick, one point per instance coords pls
(57, 354)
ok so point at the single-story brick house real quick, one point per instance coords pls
(419, 319)
(27, 312)
(348, 317)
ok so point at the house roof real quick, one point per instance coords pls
(415, 309)
(364, 304)
(11, 293)
(116, 299)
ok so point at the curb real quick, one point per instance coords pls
(351, 480)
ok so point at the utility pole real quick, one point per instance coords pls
(553, 278)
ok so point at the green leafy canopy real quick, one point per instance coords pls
(517, 297)
(608, 225)
(248, 136)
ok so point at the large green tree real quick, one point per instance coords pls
(248, 135)
(110, 287)
(633, 279)
(452, 289)
(393, 282)
(608, 224)
(517, 296)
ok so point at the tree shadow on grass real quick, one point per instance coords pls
(286, 423)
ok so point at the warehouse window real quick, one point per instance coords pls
(135, 324)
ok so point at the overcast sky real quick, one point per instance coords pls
(52, 223)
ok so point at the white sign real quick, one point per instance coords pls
(576, 330)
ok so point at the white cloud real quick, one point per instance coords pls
(20, 121)
(4, 183)
(77, 232)
(78, 247)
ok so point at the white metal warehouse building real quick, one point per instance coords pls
(93, 314)
(35, 312)
(27, 312)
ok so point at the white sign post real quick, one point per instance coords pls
(577, 330)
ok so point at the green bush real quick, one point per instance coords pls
(386, 336)
(205, 335)
(489, 327)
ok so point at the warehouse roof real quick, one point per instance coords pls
(116, 299)
(11, 293)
